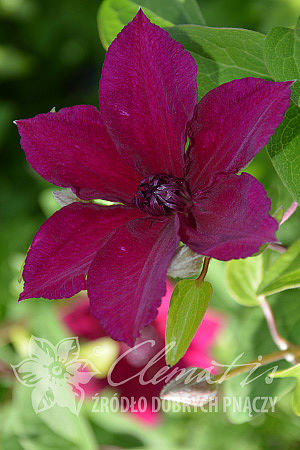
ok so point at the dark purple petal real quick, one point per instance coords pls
(231, 125)
(127, 279)
(65, 245)
(148, 92)
(71, 148)
(231, 220)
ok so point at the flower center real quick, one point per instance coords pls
(162, 195)
(56, 370)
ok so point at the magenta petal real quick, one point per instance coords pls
(64, 247)
(148, 92)
(231, 220)
(71, 148)
(231, 125)
(127, 279)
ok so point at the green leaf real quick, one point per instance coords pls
(60, 422)
(282, 56)
(188, 304)
(283, 149)
(250, 337)
(284, 273)
(291, 280)
(244, 389)
(113, 15)
(293, 371)
(243, 279)
(296, 399)
(70, 427)
(278, 214)
(222, 54)
(117, 423)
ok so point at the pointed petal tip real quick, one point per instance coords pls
(140, 15)
(19, 122)
(71, 133)
(158, 99)
(257, 109)
(139, 19)
(23, 296)
(60, 256)
(286, 85)
(291, 82)
(129, 339)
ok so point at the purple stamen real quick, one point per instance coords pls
(163, 195)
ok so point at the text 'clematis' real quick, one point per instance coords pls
(133, 152)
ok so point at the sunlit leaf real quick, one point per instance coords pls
(243, 279)
(113, 15)
(282, 55)
(293, 371)
(296, 399)
(187, 307)
(70, 426)
(284, 273)
(222, 54)
(283, 149)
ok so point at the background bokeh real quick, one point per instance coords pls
(51, 55)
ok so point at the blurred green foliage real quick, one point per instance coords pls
(50, 55)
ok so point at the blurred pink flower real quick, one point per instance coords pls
(81, 323)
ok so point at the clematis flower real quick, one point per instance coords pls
(133, 152)
(81, 323)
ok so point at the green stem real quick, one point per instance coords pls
(203, 271)
(261, 361)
